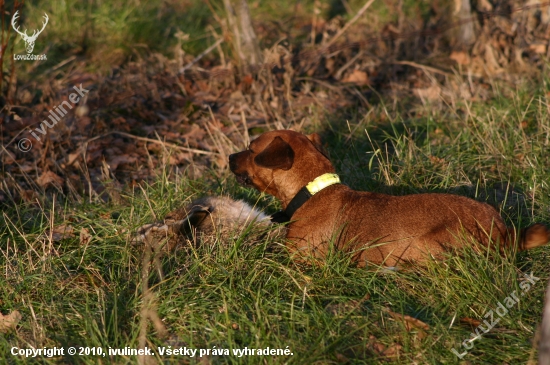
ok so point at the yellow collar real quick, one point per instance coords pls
(303, 195)
(321, 182)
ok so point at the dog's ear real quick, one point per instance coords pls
(278, 155)
(316, 140)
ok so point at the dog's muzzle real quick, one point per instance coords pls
(242, 177)
(233, 162)
(244, 180)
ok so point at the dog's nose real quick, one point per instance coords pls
(232, 159)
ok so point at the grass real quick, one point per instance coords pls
(107, 34)
(95, 288)
(75, 292)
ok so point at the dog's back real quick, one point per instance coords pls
(410, 227)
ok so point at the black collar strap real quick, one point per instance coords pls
(312, 188)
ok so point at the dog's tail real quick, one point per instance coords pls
(533, 236)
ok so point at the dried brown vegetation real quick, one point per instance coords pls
(154, 112)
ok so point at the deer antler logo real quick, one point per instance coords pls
(29, 40)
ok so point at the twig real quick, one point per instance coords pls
(197, 59)
(346, 5)
(148, 311)
(13, 139)
(146, 298)
(338, 74)
(321, 82)
(348, 24)
(171, 145)
(544, 343)
(423, 67)
(60, 64)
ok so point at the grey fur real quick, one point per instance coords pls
(204, 217)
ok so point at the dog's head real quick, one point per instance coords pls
(281, 163)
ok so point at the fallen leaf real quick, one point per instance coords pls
(376, 346)
(461, 58)
(180, 157)
(524, 124)
(470, 321)
(329, 65)
(110, 215)
(9, 321)
(29, 195)
(171, 136)
(236, 95)
(475, 323)
(8, 158)
(484, 5)
(121, 159)
(196, 133)
(343, 309)
(83, 122)
(22, 123)
(84, 236)
(430, 93)
(411, 323)
(121, 124)
(520, 157)
(26, 167)
(25, 98)
(539, 48)
(341, 358)
(357, 77)
(72, 157)
(381, 349)
(436, 160)
(248, 79)
(61, 232)
(393, 351)
(49, 177)
(491, 60)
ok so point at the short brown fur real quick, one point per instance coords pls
(379, 228)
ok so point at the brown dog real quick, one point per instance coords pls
(378, 228)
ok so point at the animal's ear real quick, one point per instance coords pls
(315, 138)
(193, 221)
(318, 143)
(278, 155)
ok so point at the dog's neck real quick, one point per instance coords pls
(304, 194)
